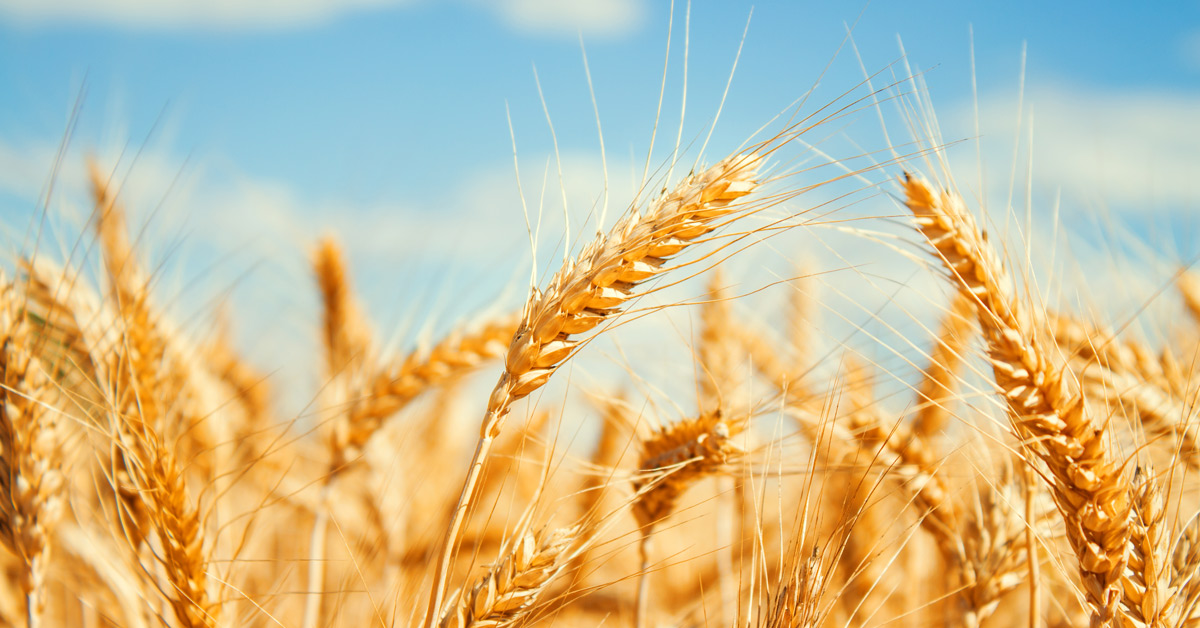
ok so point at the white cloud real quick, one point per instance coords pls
(190, 14)
(592, 17)
(1127, 150)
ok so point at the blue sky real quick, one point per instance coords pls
(257, 126)
(338, 103)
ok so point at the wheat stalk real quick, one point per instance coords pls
(1087, 482)
(1147, 586)
(146, 383)
(511, 587)
(1185, 573)
(1129, 374)
(394, 386)
(592, 289)
(938, 384)
(31, 478)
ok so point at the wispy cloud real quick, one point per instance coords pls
(539, 17)
(187, 14)
(593, 18)
(1121, 149)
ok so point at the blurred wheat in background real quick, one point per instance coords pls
(797, 381)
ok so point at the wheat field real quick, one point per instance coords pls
(993, 453)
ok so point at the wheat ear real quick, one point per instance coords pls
(31, 479)
(936, 390)
(1185, 572)
(399, 383)
(248, 385)
(1087, 482)
(590, 290)
(905, 458)
(177, 524)
(717, 352)
(672, 459)
(145, 384)
(1129, 374)
(511, 587)
(996, 543)
(1189, 288)
(346, 338)
(676, 456)
(1147, 581)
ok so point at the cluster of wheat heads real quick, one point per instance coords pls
(1032, 470)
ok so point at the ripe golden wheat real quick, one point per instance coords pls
(1033, 467)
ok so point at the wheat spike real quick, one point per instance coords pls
(1189, 288)
(346, 338)
(1147, 586)
(395, 386)
(937, 387)
(592, 289)
(1089, 487)
(146, 389)
(606, 274)
(995, 545)
(510, 588)
(31, 480)
(676, 456)
(1128, 374)
(719, 380)
(1185, 573)
(248, 385)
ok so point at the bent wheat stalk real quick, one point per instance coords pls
(588, 291)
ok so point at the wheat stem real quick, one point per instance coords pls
(589, 291)
(1092, 493)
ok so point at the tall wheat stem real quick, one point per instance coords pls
(588, 291)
